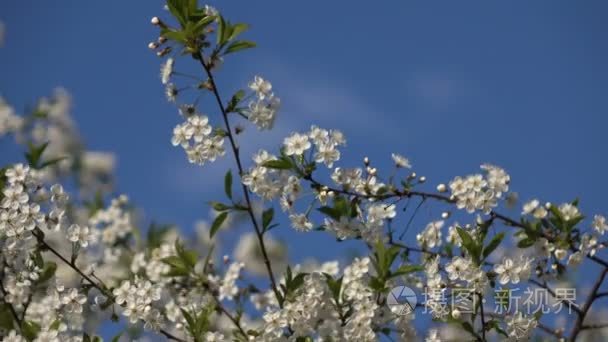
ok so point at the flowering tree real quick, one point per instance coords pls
(72, 262)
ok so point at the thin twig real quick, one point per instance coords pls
(41, 241)
(592, 297)
(10, 306)
(236, 154)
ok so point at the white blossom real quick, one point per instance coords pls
(431, 235)
(296, 144)
(520, 327)
(401, 161)
(166, 70)
(599, 224)
(300, 222)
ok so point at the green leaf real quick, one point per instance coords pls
(179, 10)
(117, 337)
(48, 272)
(188, 258)
(238, 29)
(280, 164)
(496, 240)
(238, 46)
(331, 212)
(177, 36)
(228, 184)
(6, 318)
(217, 206)
(34, 154)
(37, 257)
(156, 233)
(174, 261)
(52, 162)
(335, 286)
(297, 281)
(469, 244)
(406, 269)
(267, 217)
(234, 101)
(221, 29)
(217, 223)
(204, 22)
(189, 319)
(30, 330)
(177, 272)
(525, 243)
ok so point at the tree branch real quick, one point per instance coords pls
(578, 325)
(110, 296)
(235, 151)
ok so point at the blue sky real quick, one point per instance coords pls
(450, 84)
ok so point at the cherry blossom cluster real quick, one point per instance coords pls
(195, 135)
(138, 298)
(73, 258)
(263, 110)
(480, 191)
(50, 120)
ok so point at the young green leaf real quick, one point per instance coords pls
(221, 29)
(496, 240)
(280, 164)
(217, 223)
(6, 318)
(30, 330)
(238, 29)
(525, 243)
(406, 269)
(267, 217)
(48, 272)
(238, 46)
(228, 184)
(469, 244)
(34, 154)
(234, 101)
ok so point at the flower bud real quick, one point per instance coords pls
(422, 179)
(152, 45)
(163, 52)
(442, 188)
(155, 21)
(445, 215)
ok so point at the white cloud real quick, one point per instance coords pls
(436, 90)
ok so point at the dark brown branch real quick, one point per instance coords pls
(10, 306)
(578, 325)
(235, 151)
(110, 296)
(594, 326)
